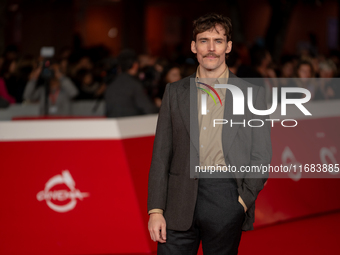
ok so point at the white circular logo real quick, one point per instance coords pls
(61, 195)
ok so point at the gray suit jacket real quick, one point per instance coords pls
(170, 187)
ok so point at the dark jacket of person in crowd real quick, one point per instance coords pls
(15, 76)
(125, 96)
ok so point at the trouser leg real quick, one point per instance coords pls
(217, 221)
(181, 242)
(219, 215)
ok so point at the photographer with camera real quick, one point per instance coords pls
(53, 91)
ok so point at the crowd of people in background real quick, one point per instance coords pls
(134, 85)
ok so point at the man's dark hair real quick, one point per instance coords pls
(126, 59)
(210, 20)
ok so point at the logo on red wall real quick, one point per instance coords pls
(61, 200)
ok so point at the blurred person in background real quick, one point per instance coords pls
(261, 68)
(287, 67)
(88, 87)
(84, 63)
(171, 73)
(78, 63)
(146, 60)
(328, 87)
(66, 52)
(16, 74)
(64, 60)
(150, 80)
(125, 96)
(151, 73)
(304, 70)
(64, 68)
(335, 57)
(61, 91)
(270, 81)
(4, 94)
(260, 61)
(160, 64)
(286, 74)
(315, 63)
(10, 53)
(234, 61)
(189, 67)
(308, 48)
(7, 70)
(305, 74)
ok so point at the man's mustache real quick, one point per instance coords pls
(211, 55)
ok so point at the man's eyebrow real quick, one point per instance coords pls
(205, 38)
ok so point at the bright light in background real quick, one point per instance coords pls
(113, 32)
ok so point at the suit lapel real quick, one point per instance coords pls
(187, 105)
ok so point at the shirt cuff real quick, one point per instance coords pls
(156, 211)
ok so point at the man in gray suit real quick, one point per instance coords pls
(185, 210)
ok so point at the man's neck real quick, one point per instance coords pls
(206, 73)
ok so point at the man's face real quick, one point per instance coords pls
(211, 47)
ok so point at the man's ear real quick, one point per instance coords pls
(229, 46)
(193, 47)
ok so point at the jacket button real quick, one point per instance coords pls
(195, 178)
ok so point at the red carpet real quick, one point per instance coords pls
(317, 235)
(312, 235)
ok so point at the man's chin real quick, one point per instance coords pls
(209, 67)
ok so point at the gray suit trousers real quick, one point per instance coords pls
(217, 222)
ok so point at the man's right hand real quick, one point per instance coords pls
(157, 227)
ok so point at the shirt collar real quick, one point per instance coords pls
(222, 79)
(224, 75)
